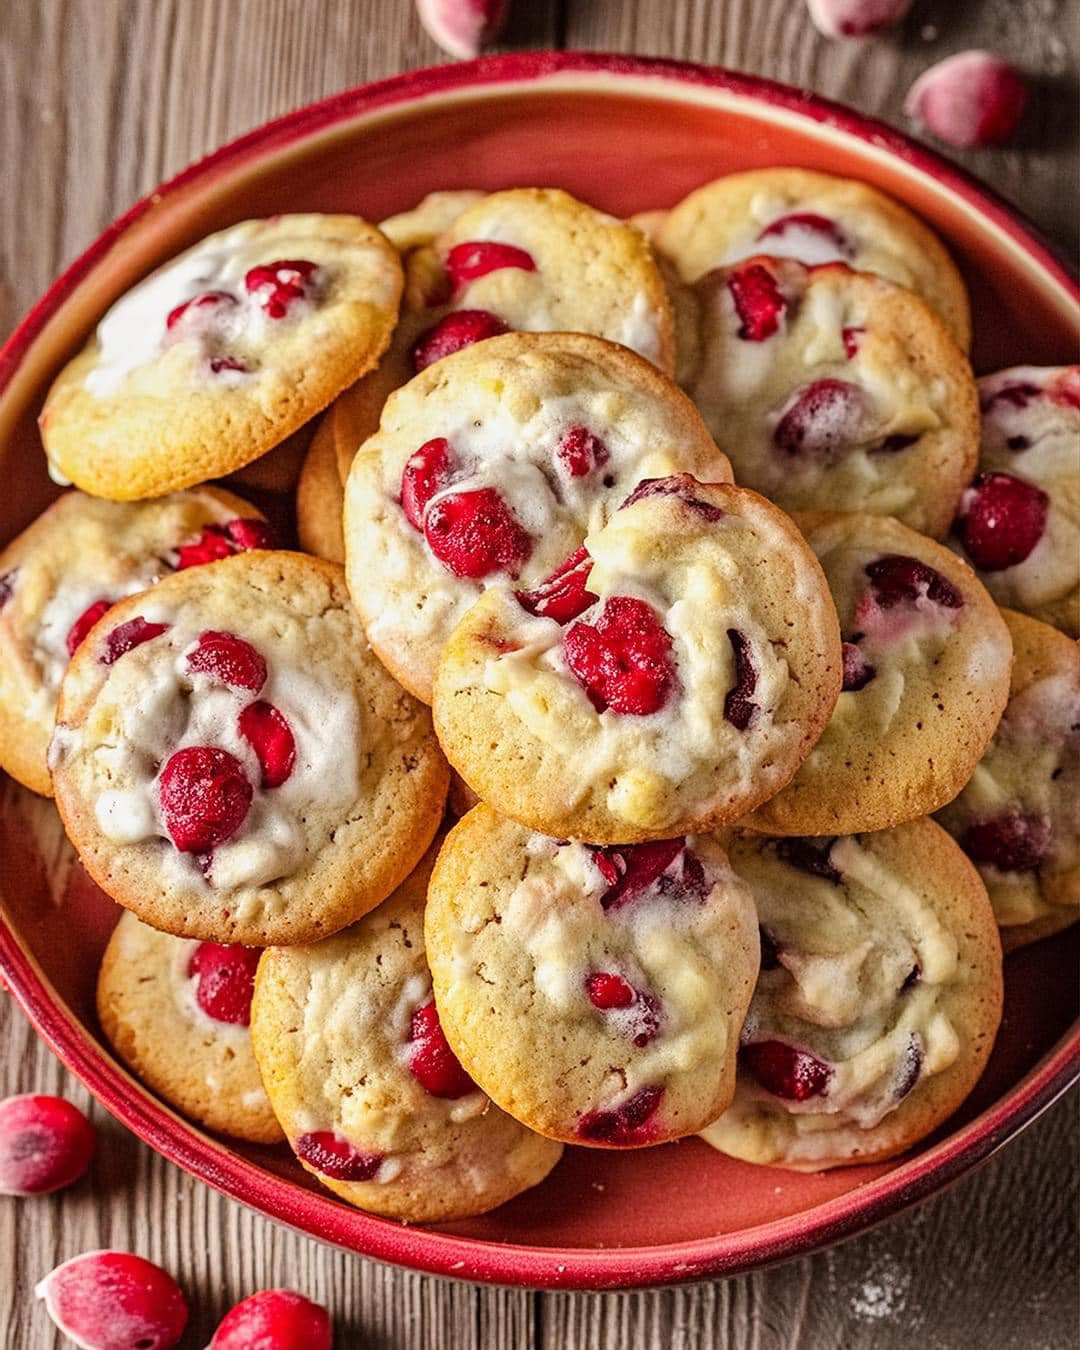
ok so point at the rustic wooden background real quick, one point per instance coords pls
(100, 100)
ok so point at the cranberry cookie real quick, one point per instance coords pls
(926, 678)
(595, 994)
(371, 1097)
(1018, 819)
(490, 467)
(320, 498)
(669, 676)
(65, 570)
(207, 364)
(177, 1013)
(878, 1000)
(233, 764)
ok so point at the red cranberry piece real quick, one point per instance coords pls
(623, 659)
(608, 991)
(432, 1063)
(970, 99)
(277, 286)
(467, 262)
(115, 1301)
(811, 855)
(812, 223)
(127, 636)
(336, 1157)
(681, 485)
(274, 1319)
(211, 546)
(204, 797)
(785, 1071)
(630, 869)
(46, 1143)
(630, 1123)
(896, 578)
(562, 596)
(909, 1068)
(85, 622)
(852, 338)
(823, 419)
(759, 301)
(645, 1023)
(426, 472)
(199, 304)
(249, 533)
(770, 951)
(268, 733)
(7, 586)
(580, 452)
(463, 27)
(474, 534)
(220, 363)
(858, 672)
(224, 981)
(739, 708)
(1001, 520)
(228, 658)
(452, 333)
(1011, 843)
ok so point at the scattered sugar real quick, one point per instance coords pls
(883, 1294)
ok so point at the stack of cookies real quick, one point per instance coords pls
(636, 749)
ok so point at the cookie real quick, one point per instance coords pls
(279, 469)
(878, 1000)
(926, 678)
(62, 573)
(177, 1013)
(1019, 522)
(835, 390)
(664, 680)
(424, 222)
(814, 218)
(1018, 819)
(233, 764)
(207, 364)
(320, 498)
(372, 1100)
(595, 994)
(489, 467)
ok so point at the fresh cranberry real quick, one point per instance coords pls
(474, 534)
(909, 1068)
(463, 27)
(630, 869)
(85, 622)
(973, 98)
(608, 991)
(426, 472)
(823, 419)
(277, 286)
(563, 595)
(224, 363)
(897, 578)
(1001, 520)
(433, 1064)
(623, 659)
(336, 1157)
(199, 305)
(46, 1143)
(758, 300)
(115, 1301)
(268, 733)
(125, 637)
(770, 951)
(811, 855)
(452, 333)
(856, 18)
(7, 585)
(580, 452)
(628, 1124)
(248, 533)
(222, 541)
(1011, 843)
(224, 981)
(739, 707)
(808, 222)
(204, 797)
(852, 341)
(467, 262)
(274, 1319)
(681, 485)
(228, 659)
(858, 672)
(785, 1071)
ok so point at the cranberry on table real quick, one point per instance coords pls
(463, 27)
(274, 1319)
(109, 1300)
(46, 1143)
(972, 99)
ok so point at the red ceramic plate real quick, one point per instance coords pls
(625, 134)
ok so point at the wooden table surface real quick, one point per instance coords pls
(100, 100)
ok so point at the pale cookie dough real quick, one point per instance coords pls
(320, 497)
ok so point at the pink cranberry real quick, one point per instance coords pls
(563, 595)
(199, 305)
(463, 27)
(274, 1319)
(821, 420)
(580, 452)
(433, 1064)
(470, 261)
(856, 18)
(7, 586)
(1001, 520)
(608, 991)
(1011, 843)
(681, 485)
(626, 1125)
(335, 1157)
(452, 333)
(638, 1013)
(811, 855)
(228, 659)
(222, 541)
(858, 672)
(85, 622)
(808, 222)
(623, 660)
(897, 578)
(277, 286)
(426, 472)
(796, 1075)
(268, 733)
(115, 1301)
(759, 302)
(630, 869)
(224, 981)
(852, 341)
(971, 99)
(739, 707)
(125, 637)
(204, 797)
(46, 1143)
(474, 534)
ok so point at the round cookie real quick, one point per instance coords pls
(279, 469)
(595, 994)
(814, 218)
(926, 677)
(1019, 522)
(878, 1000)
(424, 222)
(1018, 818)
(835, 390)
(233, 764)
(207, 364)
(669, 677)
(372, 1100)
(62, 573)
(489, 467)
(177, 1013)
(320, 497)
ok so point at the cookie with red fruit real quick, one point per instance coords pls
(207, 364)
(666, 677)
(835, 390)
(488, 470)
(62, 574)
(371, 1097)
(926, 660)
(234, 765)
(596, 994)
(1018, 524)
(177, 1013)
(1018, 818)
(878, 1000)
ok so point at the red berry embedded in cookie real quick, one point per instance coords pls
(85, 622)
(115, 1301)
(218, 364)
(858, 672)
(628, 1124)
(470, 261)
(224, 981)
(759, 302)
(821, 420)
(1001, 520)
(681, 485)
(222, 541)
(204, 796)
(277, 286)
(195, 312)
(811, 855)
(432, 1063)
(608, 991)
(453, 332)
(897, 578)
(45, 1143)
(623, 660)
(563, 595)
(637, 1014)
(474, 534)
(630, 869)
(268, 733)
(852, 340)
(336, 1157)
(796, 1075)
(228, 659)
(274, 1319)
(739, 706)
(580, 452)
(427, 471)
(125, 637)
(1012, 843)
(247, 534)
(808, 222)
